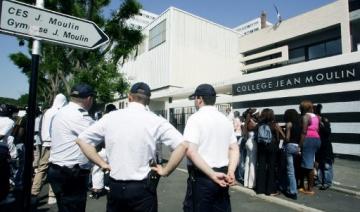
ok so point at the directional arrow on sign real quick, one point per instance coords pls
(32, 22)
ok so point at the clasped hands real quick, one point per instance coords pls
(219, 178)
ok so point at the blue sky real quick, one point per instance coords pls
(229, 13)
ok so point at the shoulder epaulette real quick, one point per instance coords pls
(83, 112)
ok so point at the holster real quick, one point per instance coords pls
(152, 180)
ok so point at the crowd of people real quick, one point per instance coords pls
(122, 144)
(12, 152)
(116, 152)
(276, 158)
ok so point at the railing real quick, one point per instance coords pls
(179, 116)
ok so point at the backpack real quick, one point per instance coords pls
(264, 134)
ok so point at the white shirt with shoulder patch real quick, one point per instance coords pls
(67, 125)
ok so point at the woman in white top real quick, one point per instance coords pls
(251, 148)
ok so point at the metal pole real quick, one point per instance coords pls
(29, 142)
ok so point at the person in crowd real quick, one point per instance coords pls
(97, 175)
(109, 108)
(4, 173)
(268, 138)
(45, 127)
(6, 125)
(238, 128)
(229, 114)
(211, 140)
(309, 144)
(18, 156)
(292, 138)
(69, 169)
(130, 136)
(325, 155)
(13, 115)
(37, 141)
(251, 148)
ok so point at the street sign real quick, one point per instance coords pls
(29, 21)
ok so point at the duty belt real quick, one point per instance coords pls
(195, 172)
(74, 170)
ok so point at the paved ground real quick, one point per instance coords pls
(347, 174)
(171, 193)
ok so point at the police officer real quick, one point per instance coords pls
(131, 136)
(69, 168)
(45, 124)
(210, 135)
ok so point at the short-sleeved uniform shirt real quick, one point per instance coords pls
(212, 132)
(131, 136)
(67, 124)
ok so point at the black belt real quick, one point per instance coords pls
(127, 181)
(195, 172)
(66, 169)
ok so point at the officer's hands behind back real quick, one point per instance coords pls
(220, 178)
(160, 170)
(105, 168)
(230, 178)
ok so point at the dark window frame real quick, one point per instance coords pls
(164, 40)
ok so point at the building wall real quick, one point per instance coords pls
(323, 17)
(141, 20)
(198, 51)
(151, 66)
(201, 51)
(195, 51)
(340, 97)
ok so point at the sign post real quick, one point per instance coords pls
(39, 24)
(30, 124)
(28, 21)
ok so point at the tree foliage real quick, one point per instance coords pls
(10, 101)
(61, 67)
(21, 102)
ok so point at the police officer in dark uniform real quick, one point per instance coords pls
(69, 169)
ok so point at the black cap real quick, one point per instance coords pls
(141, 88)
(82, 91)
(203, 90)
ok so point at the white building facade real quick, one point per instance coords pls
(312, 56)
(141, 20)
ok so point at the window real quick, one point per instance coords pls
(264, 58)
(296, 55)
(325, 49)
(157, 35)
(333, 47)
(317, 51)
(354, 5)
